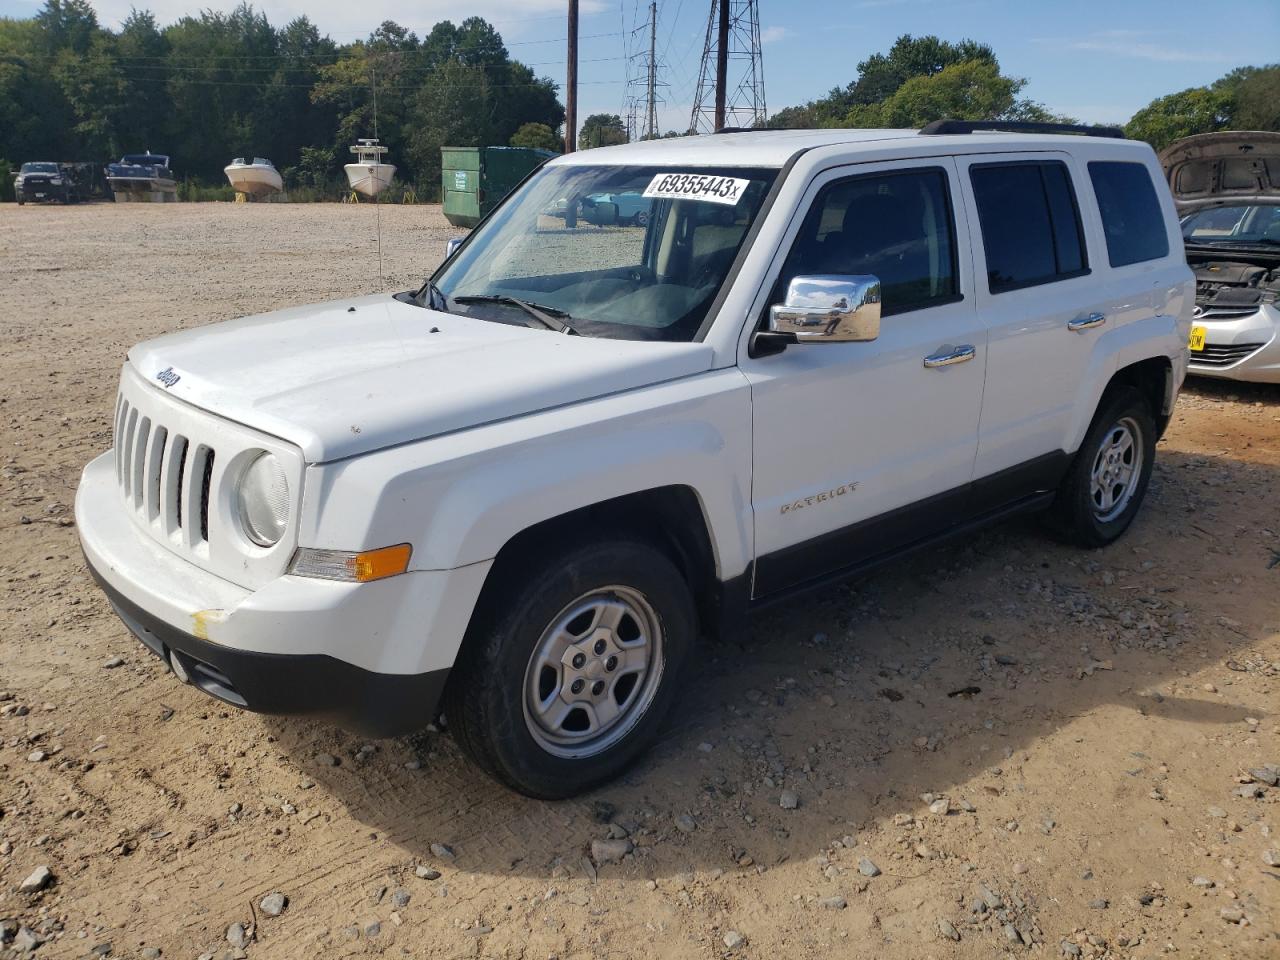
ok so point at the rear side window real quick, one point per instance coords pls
(1030, 224)
(1131, 216)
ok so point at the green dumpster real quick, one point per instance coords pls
(474, 179)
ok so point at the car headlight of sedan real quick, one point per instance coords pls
(262, 500)
(56, 181)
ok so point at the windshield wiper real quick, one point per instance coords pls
(549, 317)
(432, 297)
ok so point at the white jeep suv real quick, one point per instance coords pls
(523, 494)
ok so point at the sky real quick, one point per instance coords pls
(1095, 60)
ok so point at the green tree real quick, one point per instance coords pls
(1178, 115)
(1258, 99)
(880, 76)
(537, 135)
(969, 90)
(602, 130)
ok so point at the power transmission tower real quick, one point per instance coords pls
(644, 80)
(731, 79)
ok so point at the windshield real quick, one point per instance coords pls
(635, 253)
(145, 159)
(39, 168)
(1259, 223)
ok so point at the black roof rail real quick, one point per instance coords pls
(948, 127)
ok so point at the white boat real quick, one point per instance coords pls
(369, 175)
(142, 177)
(256, 178)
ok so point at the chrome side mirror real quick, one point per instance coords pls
(451, 246)
(829, 309)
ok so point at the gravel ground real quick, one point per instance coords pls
(999, 747)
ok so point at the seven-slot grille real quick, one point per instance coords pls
(1223, 355)
(164, 476)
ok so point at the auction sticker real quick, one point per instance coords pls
(696, 186)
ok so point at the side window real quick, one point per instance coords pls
(1030, 224)
(897, 226)
(1131, 215)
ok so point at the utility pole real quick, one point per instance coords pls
(571, 83)
(722, 63)
(651, 113)
(730, 89)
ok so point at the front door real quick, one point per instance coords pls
(861, 448)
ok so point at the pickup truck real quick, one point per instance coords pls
(527, 494)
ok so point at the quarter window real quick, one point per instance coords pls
(1131, 216)
(1030, 224)
(897, 227)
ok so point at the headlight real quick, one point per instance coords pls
(262, 500)
(56, 181)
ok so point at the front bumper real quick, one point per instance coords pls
(43, 193)
(1256, 336)
(304, 685)
(369, 657)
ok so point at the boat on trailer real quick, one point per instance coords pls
(142, 178)
(370, 174)
(255, 178)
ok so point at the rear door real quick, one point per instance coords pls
(860, 448)
(1043, 308)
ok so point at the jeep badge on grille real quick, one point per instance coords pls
(168, 377)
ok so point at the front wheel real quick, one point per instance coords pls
(1107, 481)
(568, 680)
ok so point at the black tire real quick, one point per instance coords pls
(1080, 512)
(486, 704)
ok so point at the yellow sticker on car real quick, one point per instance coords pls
(1196, 343)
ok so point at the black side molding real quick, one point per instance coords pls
(951, 127)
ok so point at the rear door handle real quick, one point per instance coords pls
(949, 355)
(1086, 323)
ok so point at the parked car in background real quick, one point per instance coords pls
(1227, 189)
(528, 492)
(43, 181)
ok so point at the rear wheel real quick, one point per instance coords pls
(1107, 481)
(569, 679)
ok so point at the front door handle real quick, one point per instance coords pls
(949, 355)
(1086, 323)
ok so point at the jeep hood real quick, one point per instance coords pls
(352, 376)
(1235, 166)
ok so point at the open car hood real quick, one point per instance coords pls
(1234, 166)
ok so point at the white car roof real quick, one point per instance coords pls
(773, 148)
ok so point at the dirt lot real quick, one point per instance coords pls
(1090, 718)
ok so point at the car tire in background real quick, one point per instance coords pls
(571, 664)
(1107, 481)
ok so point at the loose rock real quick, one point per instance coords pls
(273, 904)
(237, 936)
(609, 851)
(789, 800)
(38, 879)
(733, 940)
(867, 868)
(947, 929)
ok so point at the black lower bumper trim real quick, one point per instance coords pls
(307, 685)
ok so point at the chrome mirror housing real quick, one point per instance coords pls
(451, 246)
(829, 309)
